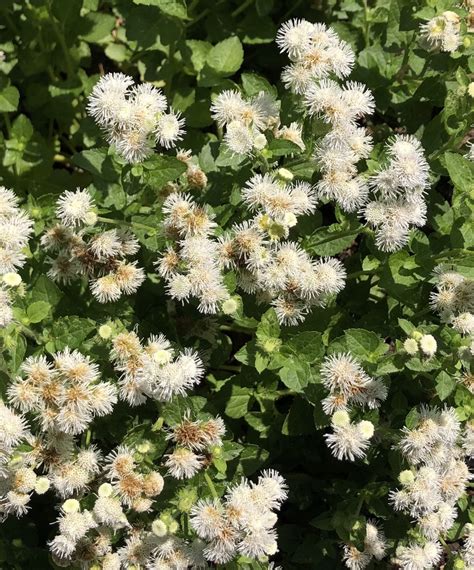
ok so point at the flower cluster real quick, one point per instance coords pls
(17, 479)
(317, 55)
(195, 442)
(15, 230)
(375, 546)
(153, 370)
(278, 205)
(443, 32)
(133, 488)
(316, 52)
(245, 120)
(241, 523)
(133, 117)
(64, 395)
(454, 299)
(161, 551)
(81, 250)
(398, 188)
(437, 478)
(191, 267)
(467, 553)
(281, 273)
(99, 527)
(349, 385)
(195, 176)
(418, 557)
(70, 469)
(91, 534)
(418, 342)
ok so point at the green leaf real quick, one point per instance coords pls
(98, 27)
(173, 412)
(38, 311)
(299, 420)
(365, 344)
(445, 385)
(22, 129)
(199, 50)
(332, 239)
(252, 458)
(97, 162)
(9, 98)
(253, 84)
(175, 8)
(281, 147)
(307, 345)
(247, 353)
(269, 327)
(70, 331)
(238, 403)
(163, 169)
(226, 57)
(46, 290)
(295, 375)
(16, 350)
(461, 171)
(412, 418)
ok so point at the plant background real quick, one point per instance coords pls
(54, 52)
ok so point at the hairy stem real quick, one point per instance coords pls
(210, 484)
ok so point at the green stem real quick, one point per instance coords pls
(421, 313)
(235, 328)
(193, 5)
(366, 23)
(260, 402)
(185, 523)
(62, 42)
(125, 223)
(29, 333)
(230, 368)
(172, 319)
(10, 23)
(359, 504)
(49, 69)
(8, 124)
(195, 20)
(285, 393)
(241, 8)
(291, 10)
(338, 235)
(359, 274)
(210, 484)
(88, 437)
(264, 162)
(454, 253)
(446, 546)
(169, 80)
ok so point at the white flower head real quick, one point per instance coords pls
(74, 207)
(170, 129)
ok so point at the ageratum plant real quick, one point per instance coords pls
(236, 284)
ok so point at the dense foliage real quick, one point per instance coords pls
(237, 283)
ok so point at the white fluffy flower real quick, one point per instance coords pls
(350, 441)
(443, 32)
(170, 129)
(428, 345)
(183, 463)
(133, 116)
(74, 207)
